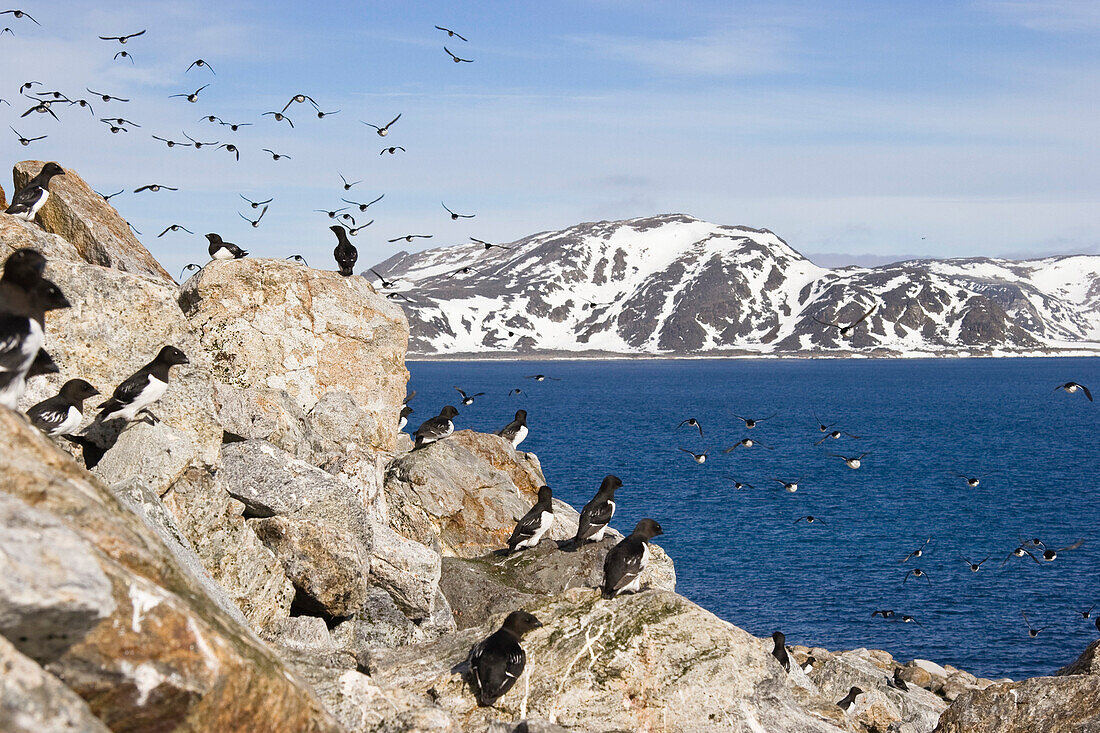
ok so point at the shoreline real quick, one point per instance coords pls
(616, 356)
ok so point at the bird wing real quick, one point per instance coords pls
(1086, 391)
(1074, 546)
(526, 527)
(865, 315)
(596, 514)
(26, 197)
(623, 564)
(434, 427)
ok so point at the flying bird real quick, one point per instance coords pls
(852, 462)
(541, 378)
(25, 141)
(254, 222)
(347, 186)
(1031, 630)
(361, 206)
(302, 260)
(974, 566)
(193, 96)
(188, 268)
(124, 55)
(1050, 554)
(917, 573)
(274, 155)
(386, 284)
(917, 552)
(20, 14)
(198, 145)
(231, 148)
(449, 32)
(750, 423)
(154, 187)
(693, 423)
(845, 330)
(810, 519)
(385, 129)
(455, 216)
(835, 435)
(392, 150)
(697, 457)
(789, 486)
(106, 97)
(174, 228)
(1071, 387)
(747, 443)
(467, 399)
(120, 39)
(409, 237)
(299, 99)
(256, 204)
(456, 59)
(279, 117)
(202, 65)
(355, 230)
(488, 245)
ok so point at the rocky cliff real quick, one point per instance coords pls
(271, 555)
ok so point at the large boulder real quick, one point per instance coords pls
(34, 701)
(1068, 704)
(653, 660)
(276, 325)
(98, 234)
(167, 656)
(18, 234)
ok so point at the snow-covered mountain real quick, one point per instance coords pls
(676, 285)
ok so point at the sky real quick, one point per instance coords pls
(870, 130)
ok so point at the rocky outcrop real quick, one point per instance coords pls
(1068, 704)
(162, 655)
(275, 325)
(34, 701)
(1087, 663)
(17, 234)
(89, 224)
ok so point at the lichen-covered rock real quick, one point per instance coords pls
(34, 701)
(98, 234)
(1068, 704)
(229, 550)
(483, 587)
(653, 660)
(464, 493)
(52, 591)
(273, 324)
(167, 656)
(270, 481)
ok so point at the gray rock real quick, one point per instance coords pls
(407, 570)
(34, 701)
(1068, 704)
(257, 413)
(338, 423)
(301, 634)
(1087, 663)
(157, 455)
(228, 549)
(52, 591)
(269, 481)
(378, 623)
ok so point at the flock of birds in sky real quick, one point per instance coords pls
(496, 662)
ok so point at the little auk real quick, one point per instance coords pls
(498, 661)
(29, 199)
(1071, 387)
(221, 250)
(345, 253)
(62, 414)
(917, 552)
(468, 399)
(697, 457)
(515, 431)
(597, 513)
(852, 462)
(779, 651)
(138, 392)
(624, 564)
(691, 421)
(436, 428)
(535, 523)
(847, 700)
(751, 423)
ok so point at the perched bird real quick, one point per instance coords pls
(467, 399)
(498, 661)
(847, 700)
(30, 198)
(455, 216)
(192, 96)
(120, 39)
(449, 32)
(202, 65)
(750, 423)
(154, 187)
(345, 253)
(362, 207)
(1050, 554)
(403, 418)
(897, 682)
(747, 443)
(810, 519)
(779, 651)
(697, 457)
(25, 297)
(597, 513)
(789, 486)
(138, 392)
(845, 330)
(1071, 387)
(410, 237)
(436, 428)
(885, 613)
(535, 523)
(693, 423)
(917, 573)
(385, 129)
(62, 414)
(174, 228)
(917, 552)
(974, 566)
(254, 222)
(835, 435)
(516, 431)
(852, 462)
(221, 250)
(624, 564)
(1031, 630)
(456, 59)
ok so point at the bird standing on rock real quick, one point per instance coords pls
(597, 513)
(516, 431)
(623, 567)
(345, 253)
(221, 250)
(535, 523)
(436, 428)
(498, 661)
(780, 650)
(62, 414)
(143, 388)
(29, 199)
(25, 296)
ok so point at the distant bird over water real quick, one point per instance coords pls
(845, 330)
(693, 423)
(751, 423)
(1071, 387)
(697, 457)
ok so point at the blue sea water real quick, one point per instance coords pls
(740, 554)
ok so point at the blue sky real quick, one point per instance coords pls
(880, 128)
